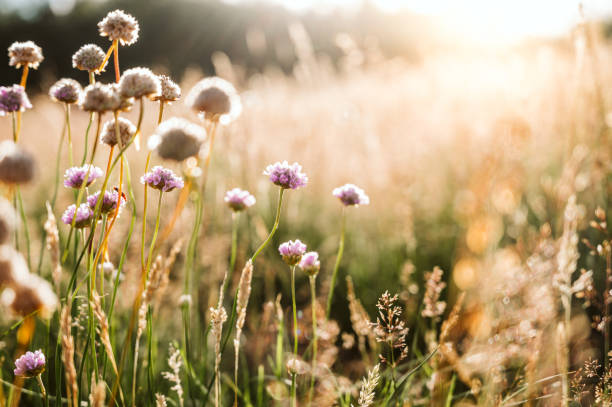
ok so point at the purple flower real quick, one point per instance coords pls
(238, 199)
(13, 99)
(73, 177)
(351, 195)
(286, 176)
(163, 179)
(310, 263)
(109, 201)
(30, 364)
(83, 215)
(292, 251)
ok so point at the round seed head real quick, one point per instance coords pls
(118, 25)
(29, 294)
(17, 166)
(216, 99)
(88, 58)
(8, 220)
(139, 82)
(109, 132)
(98, 98)
(177, 139)
(170, 90)
(13, 99)
(66, 90)
(26, 54)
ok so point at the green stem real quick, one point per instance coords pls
(154, 238)
(274, 227)
(67, 108)
(313, 298)
(14, 127)
(26, 230)
(91, 115)
(330, 296)
(295, 335)
(42, 390)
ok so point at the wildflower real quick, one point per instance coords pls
(170, 91)
(238, 199)
(13, 99)
(310, 263)
(8, 220)
(139, 82)
(216, 99)
(126, 132)
(177, 139)
(88, 58)
(292, 251)
(296, 366)
(185, 300)
(74, 176)
(17, 166)
(120, 26)
(66, 90)
(98, 98)
(30, 364)
(25, 53)
(286, 176)
(351, 195)
(83, 215)
(109, 201)
(162, 178)
(119, 102)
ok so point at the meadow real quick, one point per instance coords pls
(470, 266)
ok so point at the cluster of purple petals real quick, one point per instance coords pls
(83, 215)
(238, 199)
(286, 176)
(310, 263)
(30, 364)
(13, 99)
(292, 251)
(163, 179)
(351, 195)
(74, 176)
(109, 201)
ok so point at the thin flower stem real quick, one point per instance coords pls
(161, 112)
(15, 135)
(116, 55)
(144, 216)
(107, 56)
(85, 148)
(295, 336)
(24, 79)
(313, 299)
(232, 263)
(42, 390)
(274, 227)
(67, 109)
(152, 246)
(330, 296)
(24, 221)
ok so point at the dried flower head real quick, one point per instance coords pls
(109, 201)
(139, 82)
(17, 166)
(238, 199)
(66, 90)
(286, 176)
(292, 251)
(177, 139)
(170, 90)
(162, 178)
(98, 98)
(88, 58)
(13, 267)
(310, 263)
(30, 293)
(8, 220)
(120, 26)
(25, 53)
(351, 195)
(74, 176)
(109, 132)
(83, 215)
(390, 329)
(216, 99)
(13, 99)
(30, 364)
(433, 288)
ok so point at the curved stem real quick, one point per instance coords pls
(274, 227)
(330, 296)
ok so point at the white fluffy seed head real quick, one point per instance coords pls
(177, 139)
(88, 58)
(216, 98)
(98, 98)
(126, 132)
(120, 26)
(17, 166)
(170, 90)
(139, 82)
(25, 54)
